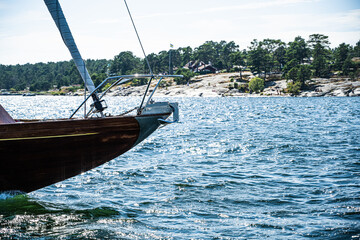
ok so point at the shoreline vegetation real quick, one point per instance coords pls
(270, 67)
(223, 85)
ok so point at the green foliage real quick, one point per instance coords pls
(206, 52)
(321, 54)
(263, 57)
(20, 86)
(296, 54)
(243, 88)
(320, 66)
(304, 73)
(292, 74)
(98, 78)
(258, 57)
(107, 85)
(340, 55)
(139, 82)
(186, 54)
(187, 76)
(298, 51)
(294, 87)
(160, 62)
(217, 53)
(43, 76)
(347, 66)
(279, 57)
(299, 73)
(238, 59)
(126, 63)
(74, 88)
(256, 85)
(40, 86)
(290, 65)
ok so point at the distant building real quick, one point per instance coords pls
(200, 67)
(356, 59)
(308, 61)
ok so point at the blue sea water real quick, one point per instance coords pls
(233, 168)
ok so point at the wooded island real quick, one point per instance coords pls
(296, 62)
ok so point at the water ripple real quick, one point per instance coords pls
(247, 168)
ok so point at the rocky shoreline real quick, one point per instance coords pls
(217, 85)
(221, 85)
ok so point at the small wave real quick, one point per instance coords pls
(215, 185)
(20, 204)
(282, 173)
(24, 205)
(264, 225)
(242, 202)
(343, 199)
(336, 233)
(9, 194)
(275, 201)
(185, 185)
(101, 212)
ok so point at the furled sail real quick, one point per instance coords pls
(61, 23)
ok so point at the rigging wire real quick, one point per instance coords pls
(147, 61)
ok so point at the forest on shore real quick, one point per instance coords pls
(297, 61)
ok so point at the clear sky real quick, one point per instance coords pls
(102, 29)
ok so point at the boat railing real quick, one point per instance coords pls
(122, 79)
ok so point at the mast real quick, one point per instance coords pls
(61, 23)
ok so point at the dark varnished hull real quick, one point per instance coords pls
(37, 154)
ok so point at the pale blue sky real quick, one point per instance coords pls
(102, 29)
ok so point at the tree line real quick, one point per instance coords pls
(45, 76)
(297, 60)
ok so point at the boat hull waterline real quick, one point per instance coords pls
(40, 153)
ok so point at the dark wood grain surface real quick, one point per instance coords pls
(37, 154)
